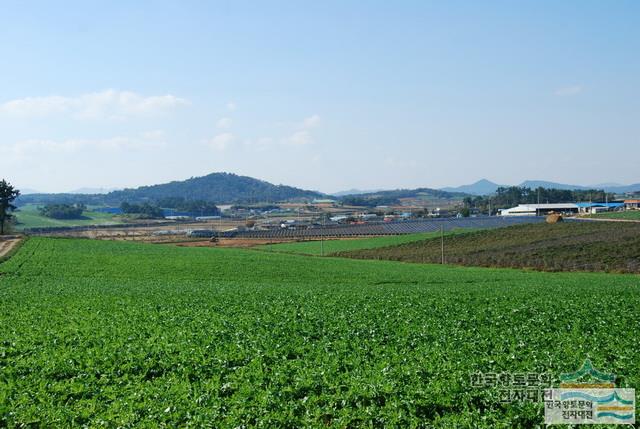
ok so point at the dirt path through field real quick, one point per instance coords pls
(7, 244)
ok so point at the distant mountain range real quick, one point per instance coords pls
(481, 187)
(484, 187)
(355, 192)
(230, 188)
(93, 191)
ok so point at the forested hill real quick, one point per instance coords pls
(217, 187)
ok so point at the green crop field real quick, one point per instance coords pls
(112, 334)
(566, 246)
(627, 215)
(333, 246)
(29, 217)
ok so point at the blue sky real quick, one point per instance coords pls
(323, 95)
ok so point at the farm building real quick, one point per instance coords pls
(367, 216)
(539, 209)
(632, 204)
(206, 218)
(590, 208)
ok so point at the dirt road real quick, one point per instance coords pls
(6, 244)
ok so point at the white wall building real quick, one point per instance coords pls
(539, 209)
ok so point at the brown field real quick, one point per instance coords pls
(146, 233)
(565, 246)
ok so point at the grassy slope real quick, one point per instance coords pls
(567, 246)
(123, 334)
(628, 215)
(334, 246)
(29, 217)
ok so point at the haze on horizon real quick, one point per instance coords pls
(327, 96)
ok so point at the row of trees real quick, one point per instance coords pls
(156, 210)
(145, 210)
(505, 197)
(63, 211)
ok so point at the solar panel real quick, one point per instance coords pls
(389, 228)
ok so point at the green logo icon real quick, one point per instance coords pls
(587, 369)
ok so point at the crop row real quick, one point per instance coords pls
(107, 334)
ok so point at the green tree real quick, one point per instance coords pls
(63, 211)
(7, 195)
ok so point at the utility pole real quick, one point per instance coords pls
(442, 242)
(322, 236)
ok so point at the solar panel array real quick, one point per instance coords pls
(387, 228)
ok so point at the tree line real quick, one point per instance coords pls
(179, 204)
(506, 197)
(63, 211)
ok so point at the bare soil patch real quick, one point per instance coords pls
(7, 244)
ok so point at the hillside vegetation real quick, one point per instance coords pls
(394, 197)
(215, 187)
(112, 334)
(566, 246)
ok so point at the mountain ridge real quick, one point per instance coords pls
(485, 187)
(222, 187)
(480, 187)
(217, 187)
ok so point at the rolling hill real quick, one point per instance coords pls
(481, 187)
(394, 197)
(215, 187)
(533, 184)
